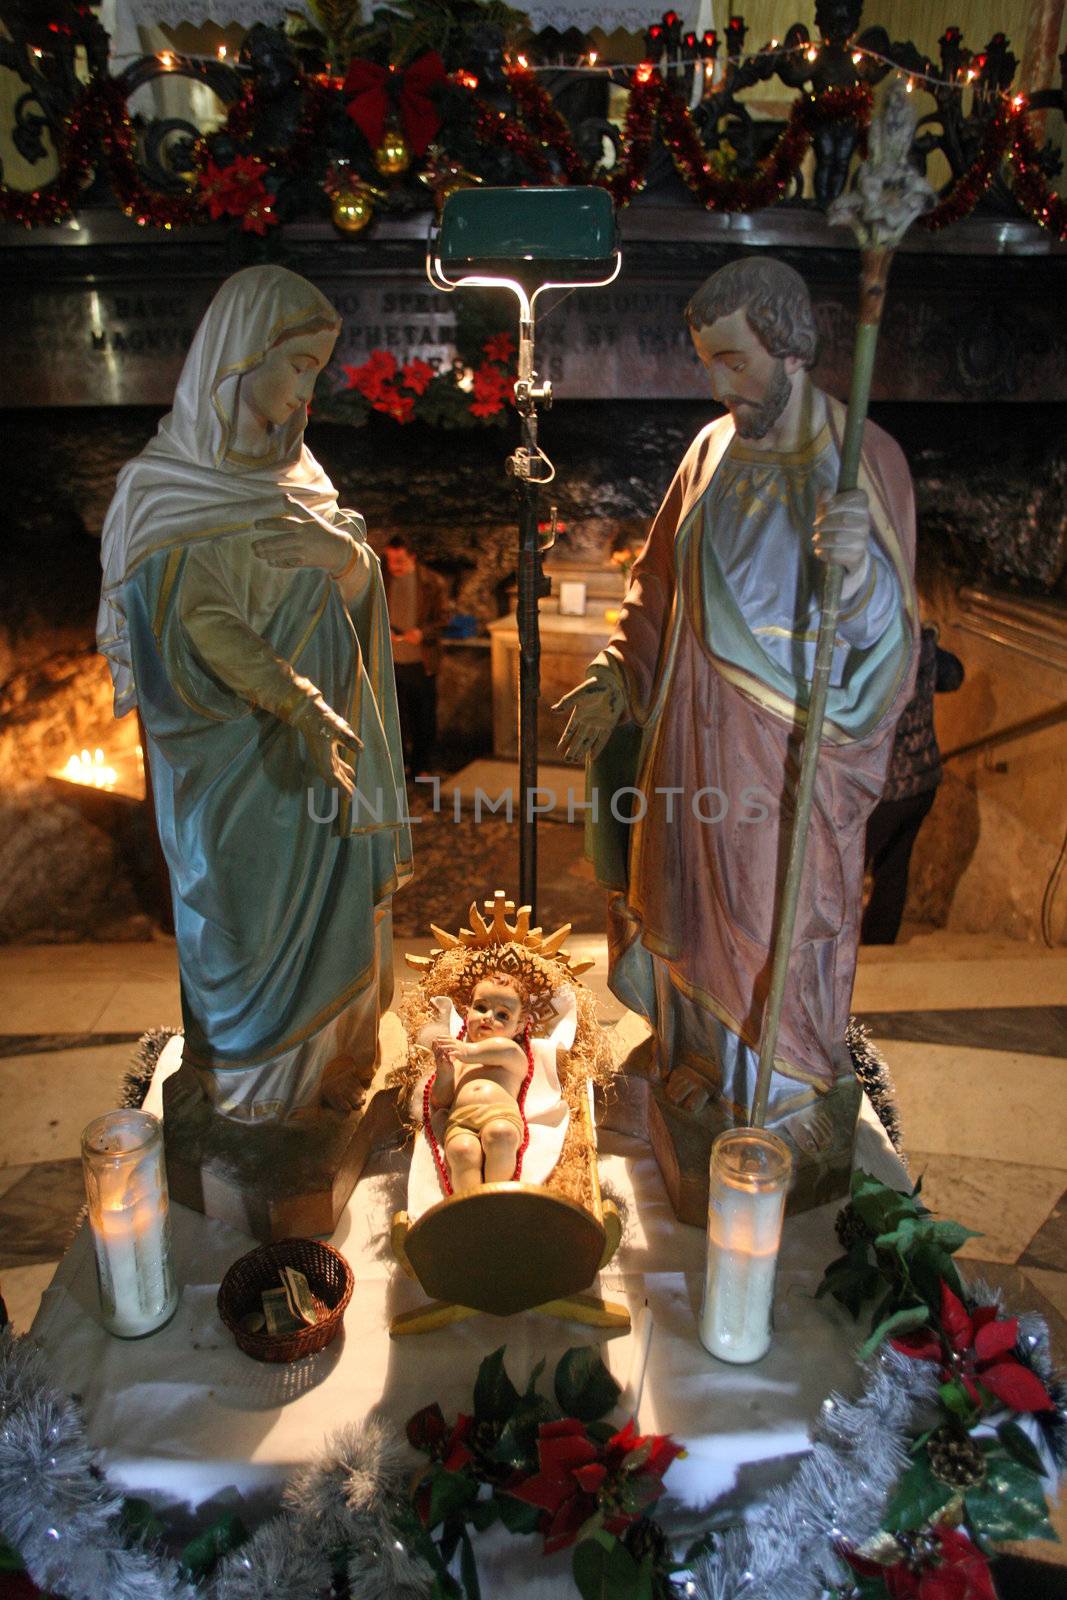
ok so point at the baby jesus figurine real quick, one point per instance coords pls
(482, 1079)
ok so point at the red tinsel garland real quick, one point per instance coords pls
(99, 129)
(966, 193)
(650, 96)
(495, 127)
(1031, 189)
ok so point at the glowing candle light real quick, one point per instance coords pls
(750, 1172)
(126, 1185)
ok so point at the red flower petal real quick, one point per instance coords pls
(921, 1346)
(564, 1454)
(1016, 1385)
(996, 1339)
(546, 1490)
(954, 1319)
(568, 1522)
(566, 1428)
(590, 1477)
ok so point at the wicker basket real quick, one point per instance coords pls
(329, 1278)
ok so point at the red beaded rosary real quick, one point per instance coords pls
(435, 1148)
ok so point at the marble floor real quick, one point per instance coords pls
(974, 1029)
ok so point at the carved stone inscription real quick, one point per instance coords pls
(113, 343)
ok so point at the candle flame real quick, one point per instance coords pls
(91, 770)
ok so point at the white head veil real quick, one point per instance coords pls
(188, 483)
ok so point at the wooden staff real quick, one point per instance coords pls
(888, 195)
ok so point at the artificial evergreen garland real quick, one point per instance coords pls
(961, 1420)
(236, 172)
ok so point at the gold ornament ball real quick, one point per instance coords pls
(351, 212)
(392, 156)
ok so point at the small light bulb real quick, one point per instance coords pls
(774, 44)
(857, 57)
(523, 62)
(38, 52)
(910, 85)
(592, 58)
(166, 59)
(971, 74)
(1018, 101)
(812, 54)
(221, 52)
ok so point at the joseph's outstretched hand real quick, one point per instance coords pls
(595, 708)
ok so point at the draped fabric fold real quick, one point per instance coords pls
(281, 887)
(712, 743)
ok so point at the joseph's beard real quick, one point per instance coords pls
(753, 419)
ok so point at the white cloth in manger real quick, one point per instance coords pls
(546, 1111)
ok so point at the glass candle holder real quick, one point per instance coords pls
(126, 1184)
(750, 1172)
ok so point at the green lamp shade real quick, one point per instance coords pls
(486, 227)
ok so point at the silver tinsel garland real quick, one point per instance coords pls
(57, 1511)
(786, 1550)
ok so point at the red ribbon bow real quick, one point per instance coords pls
(367, 90)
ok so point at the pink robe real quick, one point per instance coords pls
(696, 903)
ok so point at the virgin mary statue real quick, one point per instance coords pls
(243, 614)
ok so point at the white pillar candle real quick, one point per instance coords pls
(126, 1184)
(750, 1172)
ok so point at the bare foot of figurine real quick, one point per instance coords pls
(342, 1088)
(688, 1089)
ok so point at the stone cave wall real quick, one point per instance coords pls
(991, 489)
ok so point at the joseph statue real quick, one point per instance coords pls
(694, 712)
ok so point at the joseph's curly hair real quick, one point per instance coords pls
(775, 301)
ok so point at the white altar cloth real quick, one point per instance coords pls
(185, 1419)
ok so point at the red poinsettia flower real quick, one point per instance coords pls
(491, 388)
(374, 376)
(238, 190)
(977, 1348)
(259, 215)
(501, 347)
(401, 407)
(957, 1570)
(417, 375)
(565, 1488)
(620, 1479)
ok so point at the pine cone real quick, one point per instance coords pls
(646, 1538)
(849, 1229)
(955, 1458)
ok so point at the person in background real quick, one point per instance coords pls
(914, 774)
(418, 610)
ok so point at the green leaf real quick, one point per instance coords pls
(10, 1560)
(903, 1321)
(495, 1396)
(139, 1521)
(530, 1392)
(200, 1554)
(584, 1387)
(605, 1570)
(878, 1207)
(1021, 1447)
(482, 1514)
(917, 1498)
(1010, 1503)
(516, 1515)
(951, 1235)
(468, 1568)
(450, 1493)
(851, 1279)
(955, 1399)
(901, 1238)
